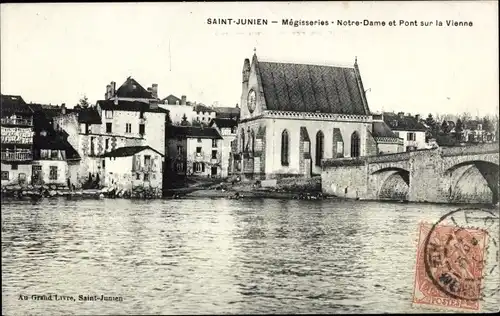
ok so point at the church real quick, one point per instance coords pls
(295, 115)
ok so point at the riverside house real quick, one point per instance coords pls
(17, 140)
(194, 151)
(127, 168)
(227, 128)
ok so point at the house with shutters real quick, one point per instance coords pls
(127, 168)
(194, 151)
(128, 117)
(293, 115)
(227, 128)
(17, 140)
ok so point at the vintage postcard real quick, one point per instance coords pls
(249, 158)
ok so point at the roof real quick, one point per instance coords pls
(224, 122)
(124, 105)
(312, 88)
(202, 108)
(227, 112)
(192, 132)
(12, 104)
(132, 89)
(403, 123)
(89, 115)
(172, 99)
(380, 129)
(128, 151)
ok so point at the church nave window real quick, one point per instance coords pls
(285, 148)
(320, 139)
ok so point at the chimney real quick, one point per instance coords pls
(113, 89)
(401, 114)
(108, 92)
(183, 100)
(417, 116)
(154, 90)
(63, 108)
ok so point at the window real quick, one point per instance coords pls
(355, 144)
(44, 154)
(88, 129)
(242, 139)
(53, 173)
(179, 166)
(14, 167)
(142, 129)
(203, 118)
(106, 142)
(233, 130)
(410, 136)
(146, 177)
(128, 128)
(138, 176)
(307, 146)
(320, 138)
(199, 140)
(214, 154)
(179, 150)
(284, 148)
(92, 145)
(54, 154)
(198, 118)
(104, 163)
(214, 142)
(109, 127)
(252, 137)
(199, 167)
(147, 163)
(141, 114)
(198, 151)
(5, 175)
(109, 114)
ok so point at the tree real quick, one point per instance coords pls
(465, 117)
(184, 121)
(433, 126)
(487, 124)
(458, 129)
(168, 120)
(445, 128)
(84, 102)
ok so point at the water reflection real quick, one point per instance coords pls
(212, 255)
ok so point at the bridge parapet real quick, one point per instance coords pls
(470, 150)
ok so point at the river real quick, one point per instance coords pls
(206, 256)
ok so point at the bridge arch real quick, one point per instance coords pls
(473, 180)
(393, 183)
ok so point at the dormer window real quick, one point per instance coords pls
(395, 123)
(109, 114)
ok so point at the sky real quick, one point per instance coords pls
(56, 53)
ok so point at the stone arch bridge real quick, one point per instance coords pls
(443, 175)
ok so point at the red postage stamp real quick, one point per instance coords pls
(449, 268)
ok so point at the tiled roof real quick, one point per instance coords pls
(128, 151)
(132, 89)
(380, 129)
(192, 132)
(404, 123)
(11, 104)
(227, 112)
(312, 88)
(223, 122)
(123, 105)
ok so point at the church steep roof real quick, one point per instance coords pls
(312, 88)
(132, 89)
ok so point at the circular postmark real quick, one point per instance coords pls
(461, 250)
